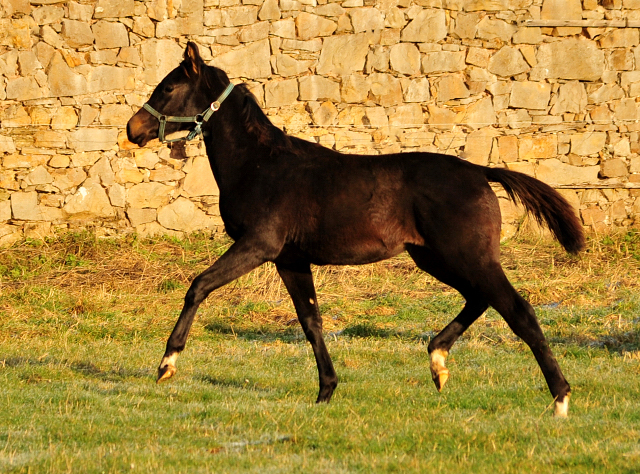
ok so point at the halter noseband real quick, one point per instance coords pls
(197, 119)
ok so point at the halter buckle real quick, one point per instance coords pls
(215, 105)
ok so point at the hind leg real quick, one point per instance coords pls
(521, 318)
(474, 307)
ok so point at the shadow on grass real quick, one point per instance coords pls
(233, 383)
(616, 341)
(88, 369)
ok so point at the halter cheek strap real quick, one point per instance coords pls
(199, 119)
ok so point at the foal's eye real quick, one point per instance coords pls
(168, 89)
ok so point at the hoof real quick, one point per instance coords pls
(166, 372)
(562, 407)
(440, 379)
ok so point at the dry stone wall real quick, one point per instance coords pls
(548, 88)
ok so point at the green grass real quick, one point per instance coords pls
(83, 323)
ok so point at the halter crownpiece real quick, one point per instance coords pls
(197, 119)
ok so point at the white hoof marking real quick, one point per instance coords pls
(169, 360)
(562, 407)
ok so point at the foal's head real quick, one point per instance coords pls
(184, 92)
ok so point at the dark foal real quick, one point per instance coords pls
(296, 203)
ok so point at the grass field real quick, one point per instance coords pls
(83, 323)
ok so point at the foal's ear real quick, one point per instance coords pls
(192, 57)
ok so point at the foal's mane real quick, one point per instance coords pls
(253, 118)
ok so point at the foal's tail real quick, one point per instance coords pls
(544, 203)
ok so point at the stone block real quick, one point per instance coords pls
(114, 8)
(480, 114)
(342, 55)
(588, 143)
(159, 58)
(7, 145)
(508, 148)
(527, 35)
(555, 172)
(59, 161)
(429, 26)
(117, 195)
(141, 216)
(85, 158)
(38, 176)
(355, 88)
(385, 88)
(145, 158)
(405, 59)
(377, 59)
(572, 98)
(507, 62)
(256, 32)
(285, 29)
(23, 88)
(63, 82)
(24, 206)
(614, 168)
(323, 114)
(626, 109)
(466, 25)
(251, 61)
(78, 11)
(64, 119)
(478, 147)
(281, 93)
(311, 26)
(606, 93)
(416, 90)
(530, 95)
(199, 180)
(319, 88)
(620, 38)
(443, 61)
(594, 217)
(578, 59)
(366, 19)
(449, 87)
(288, 66)
(115, 114)
(478, 57)
(93, 139)
(491, 29)
(126, 171)
(89, 202)
(240, 15)
(183, 215)
(76, 33)
(441, 117)
(50, 139)
(109, 34)
(129, 56)
(68, 178)
(537, 146)
(106, 78)
(406, 116)
(102, 172)
(561, 10)
(269, 10)
(151, 195)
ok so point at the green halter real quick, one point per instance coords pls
(197, 119)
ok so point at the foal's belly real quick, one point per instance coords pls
(355, 247)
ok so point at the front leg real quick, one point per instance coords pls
(242, 257)
(299, 282)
